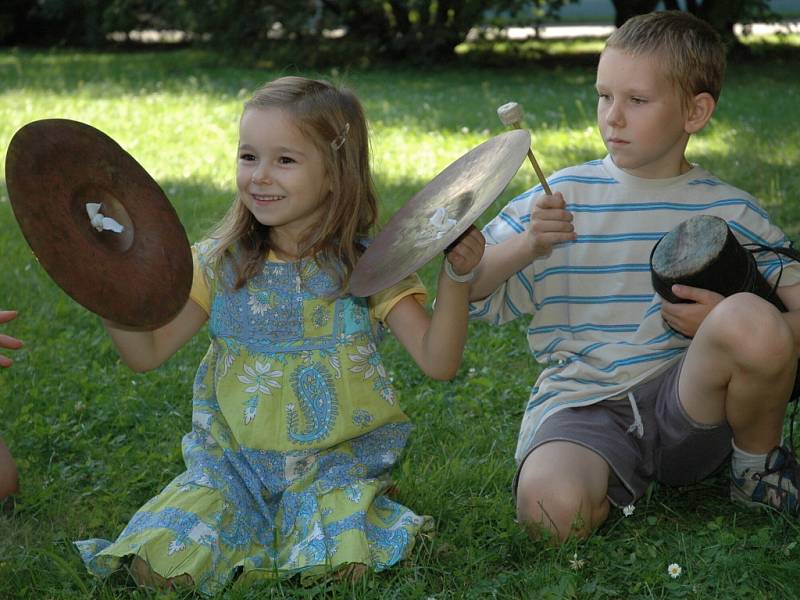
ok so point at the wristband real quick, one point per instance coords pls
(448, 268)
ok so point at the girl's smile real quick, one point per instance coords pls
(280, 175)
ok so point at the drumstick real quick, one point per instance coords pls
(511, 115)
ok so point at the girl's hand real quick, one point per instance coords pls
(466, 252)
(6, 341)
(551, 223)
(687, 317)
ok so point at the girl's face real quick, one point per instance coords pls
(280, 175)
(640, 115)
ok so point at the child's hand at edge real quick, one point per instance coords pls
(6, 341)
(466, 252)
(551, 224)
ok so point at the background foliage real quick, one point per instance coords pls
(321, 31)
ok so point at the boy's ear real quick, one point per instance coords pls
(700, 110)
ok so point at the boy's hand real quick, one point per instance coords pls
(466, 252)
(6, 341)
(686, 317)
(551, 223)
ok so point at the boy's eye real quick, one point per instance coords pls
(636, 100)
(247, 156)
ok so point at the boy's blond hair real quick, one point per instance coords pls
(691, 51)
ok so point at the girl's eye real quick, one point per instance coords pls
(247, 156)
(638, 100)
(285, 160)
(602, 96)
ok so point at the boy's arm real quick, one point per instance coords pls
(550, 224)
(145, 350)
(436, 342)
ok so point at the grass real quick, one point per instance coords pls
(94, 440)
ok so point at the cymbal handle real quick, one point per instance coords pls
(535, 165)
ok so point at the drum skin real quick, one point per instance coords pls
(702, 252)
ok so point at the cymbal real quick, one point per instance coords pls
(140, 276)
(436, 215)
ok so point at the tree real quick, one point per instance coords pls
(723, 15)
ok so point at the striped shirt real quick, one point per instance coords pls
(596, 321)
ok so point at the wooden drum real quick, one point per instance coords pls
(703, 252)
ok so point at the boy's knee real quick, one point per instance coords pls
(753, 330)
(557, 507)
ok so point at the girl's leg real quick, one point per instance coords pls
(562, 489)
(144, 576)
(740, 368)
(9, 477)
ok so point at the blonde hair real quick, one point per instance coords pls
(333, 120)
(691, 51)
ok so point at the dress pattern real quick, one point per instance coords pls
(295, 428)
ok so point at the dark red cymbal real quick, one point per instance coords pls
(140, 277)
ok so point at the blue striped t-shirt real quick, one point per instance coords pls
(596, 321)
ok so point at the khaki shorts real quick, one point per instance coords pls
(673, 449)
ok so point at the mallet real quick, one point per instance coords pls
(511, 115)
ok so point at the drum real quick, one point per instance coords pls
(703, 252)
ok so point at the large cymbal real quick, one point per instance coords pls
(436, 215)
(139, 277)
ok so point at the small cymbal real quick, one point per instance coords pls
(140, 276)
(436, 215)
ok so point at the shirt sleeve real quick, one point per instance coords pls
(515, 296)
(381, 304)
(199, 292)
(755, 227)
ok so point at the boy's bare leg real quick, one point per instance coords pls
(740, 368)
(562, 487)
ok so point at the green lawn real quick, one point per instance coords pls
(94, 440)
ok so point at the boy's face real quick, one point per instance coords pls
(641, 115)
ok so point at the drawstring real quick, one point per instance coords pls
(637, 424)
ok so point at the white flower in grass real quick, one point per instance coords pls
(260, 379)
(576, 564)
(628, 510)
(367, 361)
(674, 570)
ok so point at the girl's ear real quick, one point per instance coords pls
(701, 108)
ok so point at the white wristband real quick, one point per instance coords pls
(448, 268)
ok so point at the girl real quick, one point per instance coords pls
(295, 425)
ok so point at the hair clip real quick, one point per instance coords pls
(341, 138)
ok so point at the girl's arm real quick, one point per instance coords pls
(436, 342)
(146, 350)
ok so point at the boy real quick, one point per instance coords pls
(624, 399)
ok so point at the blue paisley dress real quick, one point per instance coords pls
(295, 428)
